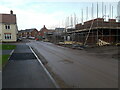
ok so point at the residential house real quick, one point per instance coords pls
(44, 32)
(8, 27)
(28, 33)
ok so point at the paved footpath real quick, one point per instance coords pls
(24, 71)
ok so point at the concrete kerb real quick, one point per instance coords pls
(10, 55)
(43, 60)
(54, 82)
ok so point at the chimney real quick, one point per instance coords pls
(44, 27)
(11, 12)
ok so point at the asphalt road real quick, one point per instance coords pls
(24, 71)
(77, 68)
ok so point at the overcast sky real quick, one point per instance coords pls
(52, 13)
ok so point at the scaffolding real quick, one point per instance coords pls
(97, 30)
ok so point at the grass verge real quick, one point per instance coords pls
(7, 47)
(3, 59)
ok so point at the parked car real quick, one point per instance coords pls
(37, 39)
(19, 39)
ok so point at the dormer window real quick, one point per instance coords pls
(7, 26)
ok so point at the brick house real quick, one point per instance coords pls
(46, 33)
(43, 32)
(8, 27)
(28, 33)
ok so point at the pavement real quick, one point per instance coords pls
(24, 71)
(79, 68)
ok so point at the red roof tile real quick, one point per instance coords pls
(8, 18)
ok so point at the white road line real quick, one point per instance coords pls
(56, 85)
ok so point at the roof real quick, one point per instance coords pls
(44, 28)
(51, 30)
(59, 29)
(28, 30)
(8, 18)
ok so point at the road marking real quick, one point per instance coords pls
(56, 85)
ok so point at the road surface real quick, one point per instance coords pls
(77, 68)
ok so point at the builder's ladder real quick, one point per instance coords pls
(88, 33)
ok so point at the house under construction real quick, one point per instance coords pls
(94, 31)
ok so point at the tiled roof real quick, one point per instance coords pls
(8, 18)
(28, 30)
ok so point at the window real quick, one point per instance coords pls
(7, 36)
(7, 26)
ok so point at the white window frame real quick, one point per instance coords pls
(7, 27)
(8, 36)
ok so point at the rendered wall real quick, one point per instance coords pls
(12, 30)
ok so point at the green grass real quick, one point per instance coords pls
(7, 47)
(3, 59)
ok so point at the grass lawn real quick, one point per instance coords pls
(7, 47)
(3, 59)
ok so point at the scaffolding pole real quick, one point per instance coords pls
(88, 33)
(97, 22)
